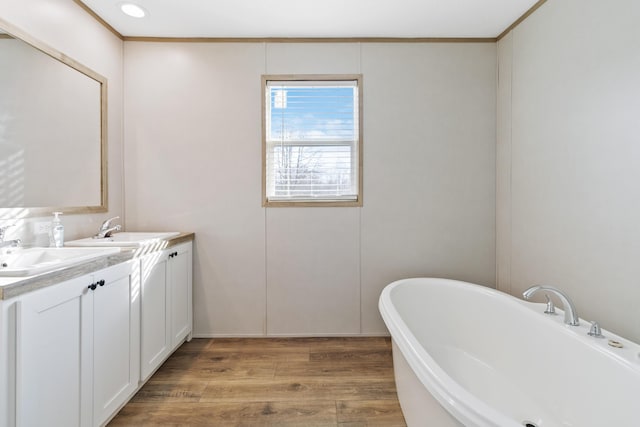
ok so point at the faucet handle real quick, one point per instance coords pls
(4, 229)
(107, 223)
(551, 308)
(595, 330)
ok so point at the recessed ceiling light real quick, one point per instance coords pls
(133, 10)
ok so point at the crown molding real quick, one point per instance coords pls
(522, 18)
(311, 39)
(99, 19)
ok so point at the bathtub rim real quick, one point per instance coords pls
(460, 403)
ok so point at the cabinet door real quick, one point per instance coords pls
(181, 301)
(116, 338)
(53, 376)
(155, 326)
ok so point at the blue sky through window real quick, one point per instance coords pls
(312, 113)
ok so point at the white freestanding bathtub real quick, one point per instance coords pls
(466, 355)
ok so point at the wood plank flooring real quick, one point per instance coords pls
(346, 382)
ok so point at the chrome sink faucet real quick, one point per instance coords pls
(8, 243)
(570, 315)
(106, 229)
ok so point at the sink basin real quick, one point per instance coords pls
(27, 262)
(124, 239)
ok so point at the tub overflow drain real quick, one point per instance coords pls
(529, 424)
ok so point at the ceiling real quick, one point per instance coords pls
(305, 18)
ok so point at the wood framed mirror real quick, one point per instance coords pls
(53, 130)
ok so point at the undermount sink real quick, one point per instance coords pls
(28, 262)
(124, 239)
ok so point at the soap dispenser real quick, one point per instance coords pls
(57, 231)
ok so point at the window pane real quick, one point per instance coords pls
(312, 171)
(312, 113)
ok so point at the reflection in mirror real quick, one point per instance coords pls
(52, 130)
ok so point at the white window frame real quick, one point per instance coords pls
(356, 160)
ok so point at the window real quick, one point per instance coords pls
(312, 145)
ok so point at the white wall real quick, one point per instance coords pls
(569, 156)
(193, 162)
(429, 166)
(65, 26)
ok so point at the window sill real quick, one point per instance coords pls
(311, 204)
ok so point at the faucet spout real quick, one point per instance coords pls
(10, 243)
(570, 314)
(106, 229)
(3, 230)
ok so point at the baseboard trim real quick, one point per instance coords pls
(315, 335)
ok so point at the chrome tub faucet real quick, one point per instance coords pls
(570, 314)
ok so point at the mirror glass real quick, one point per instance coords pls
(52, 131)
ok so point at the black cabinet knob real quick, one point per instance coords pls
(92, 286)
(101, 282)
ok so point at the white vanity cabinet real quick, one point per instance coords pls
(166, 305)
(116, 339)
(73, 351)
(75, 347)
(53, 330)
(180, 268)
